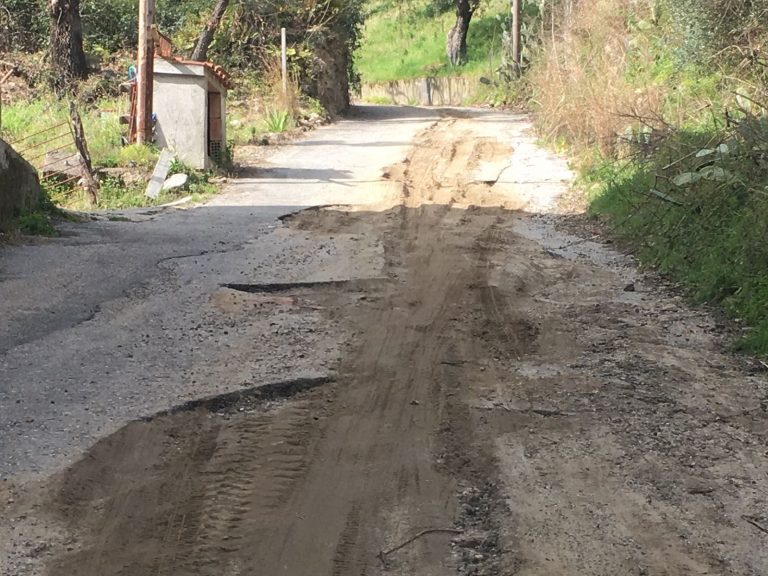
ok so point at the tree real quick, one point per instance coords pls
(457, 36)
(24, 25)
(200, 52)
(66, 43)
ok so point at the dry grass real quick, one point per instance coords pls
(579, 80)
(643, 103)
(262, 105)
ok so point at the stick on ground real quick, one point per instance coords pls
(756, 524)
(384, 553)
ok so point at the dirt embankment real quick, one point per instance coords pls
(507, 405)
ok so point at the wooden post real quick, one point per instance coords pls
(516, 36)
(146, 72)
(78, 134)
(284, 48)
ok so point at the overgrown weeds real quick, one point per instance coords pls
(37, 222)
(673, 149)
(267, 106)
(277, 120)
(581, 82)
(697, 208)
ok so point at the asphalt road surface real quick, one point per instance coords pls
(389, 348)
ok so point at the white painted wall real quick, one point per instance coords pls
(179, 102)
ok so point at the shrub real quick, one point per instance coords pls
(663, 106)
(277, 120)
(36, 224)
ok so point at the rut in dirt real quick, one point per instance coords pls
(504, 406)
(378, 471)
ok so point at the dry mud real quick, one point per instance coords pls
(511, 400)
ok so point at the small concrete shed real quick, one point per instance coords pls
(190, 104)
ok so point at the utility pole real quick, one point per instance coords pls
(516, 36)
(284, 62)
(146, 70)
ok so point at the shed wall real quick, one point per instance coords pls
(180, 104)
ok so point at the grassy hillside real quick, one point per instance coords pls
(406, 39)
(666, 114)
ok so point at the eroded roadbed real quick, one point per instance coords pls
(504, 405)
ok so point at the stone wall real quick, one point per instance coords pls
(19, 184)
(442, 91)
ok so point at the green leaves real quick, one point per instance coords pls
(277, 121)
(722, 149)
(711, 173)
(685, 179)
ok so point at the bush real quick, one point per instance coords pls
(701, 29)
(36, 224)
(698, 209)
(23, 25)
(663, 106)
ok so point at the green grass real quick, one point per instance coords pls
(708, 233)
(382, 100)
(277, 121)
(35, 224)
(33, 122)
(114, 195)
(141, 155)
(240, 131)
(406, 40)
(30, 124)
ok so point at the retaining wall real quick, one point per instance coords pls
(19, 184)
(441, 91)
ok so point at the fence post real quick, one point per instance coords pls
(516, 36)
(284, 61)
(91, 185)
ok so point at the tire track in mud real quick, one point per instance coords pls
(490, 388)
(324, 482)
(237, 470)
(253, 454)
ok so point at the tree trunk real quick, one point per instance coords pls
(67, 55)
(200, 54)
(457, 37)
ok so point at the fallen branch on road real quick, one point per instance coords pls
(755, 523)
(384, 553)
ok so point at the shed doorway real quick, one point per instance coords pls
(215, 127)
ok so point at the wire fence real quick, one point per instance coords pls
(53, 153)
(60, 154)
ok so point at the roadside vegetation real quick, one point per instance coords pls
(403, 40)
(246, 42)
(29, 121)
(662, 105)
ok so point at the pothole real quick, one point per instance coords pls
(248, 397)
(277, 287)
(286, 218)
(188, 487)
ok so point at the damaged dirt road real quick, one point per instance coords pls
(489, 395)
